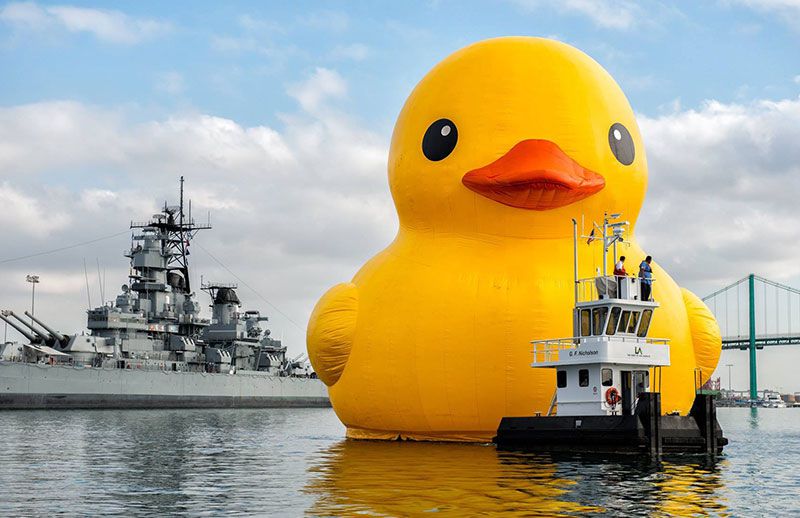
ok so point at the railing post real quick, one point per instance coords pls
(753, 372)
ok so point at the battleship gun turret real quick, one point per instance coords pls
(61, 339)
(7, 313)
(43, 336)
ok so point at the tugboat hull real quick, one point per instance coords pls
(645, 432)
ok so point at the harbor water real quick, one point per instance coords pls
(294, 462)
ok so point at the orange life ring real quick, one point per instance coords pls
(612, 396)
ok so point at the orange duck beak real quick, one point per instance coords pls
(534, 175)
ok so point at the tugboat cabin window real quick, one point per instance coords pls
(613, 320)
(633, 322)
(647, 314)
(586, 320)
(583, 377)
(607, 377)
(561, 379)
(623, 321)
(599, 320)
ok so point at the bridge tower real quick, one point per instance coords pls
(771, 316)
(751, 285)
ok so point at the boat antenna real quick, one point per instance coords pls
(605, 246)
(100, 282)
(618, 228)
(86, 276)
(181, 206)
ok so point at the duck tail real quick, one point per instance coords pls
(706, 336)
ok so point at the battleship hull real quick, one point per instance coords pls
(40, 386)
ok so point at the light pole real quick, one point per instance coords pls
(34, 280)
(729, 365)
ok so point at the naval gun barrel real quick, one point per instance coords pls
(37, 332)
(58, 336)
(21, 330)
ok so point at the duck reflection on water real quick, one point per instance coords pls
(409, 478)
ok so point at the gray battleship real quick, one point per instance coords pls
(151, 348)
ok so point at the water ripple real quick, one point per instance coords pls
(290, 462)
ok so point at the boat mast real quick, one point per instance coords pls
(575, 257)
(618, 229)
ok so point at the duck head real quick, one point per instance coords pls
(514, 137)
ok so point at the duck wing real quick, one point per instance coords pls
(331, 329)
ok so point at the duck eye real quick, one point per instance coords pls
(621, 142)
(439, 140)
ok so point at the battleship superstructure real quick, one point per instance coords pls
(152, 347)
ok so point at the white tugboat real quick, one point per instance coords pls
(607, 365)
(608, 378)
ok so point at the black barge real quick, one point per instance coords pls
(645, 432)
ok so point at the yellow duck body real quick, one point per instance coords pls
(431, 338)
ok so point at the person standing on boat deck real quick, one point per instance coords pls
(619, 272)
(619, 267)
(646, 276)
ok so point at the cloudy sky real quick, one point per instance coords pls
(279, 116)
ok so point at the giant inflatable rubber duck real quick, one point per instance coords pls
(496, 150)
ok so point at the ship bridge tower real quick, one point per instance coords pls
(160, 268)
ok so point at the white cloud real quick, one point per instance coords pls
(354, 52)
(786, 10)
(323, 85)
(723, 192)
(296, 208)
(171, 83)
(26, 14)
(104, 24)
(333, 21)
(610, 14)
(276, 56)
(233, 44)
(35, 136)
(27, 215)
(261, 25)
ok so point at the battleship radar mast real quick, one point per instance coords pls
(177, 229)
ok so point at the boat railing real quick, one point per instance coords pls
(548, 350)
(625, 287)
(147, 223)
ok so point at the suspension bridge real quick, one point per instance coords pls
(754, 313)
